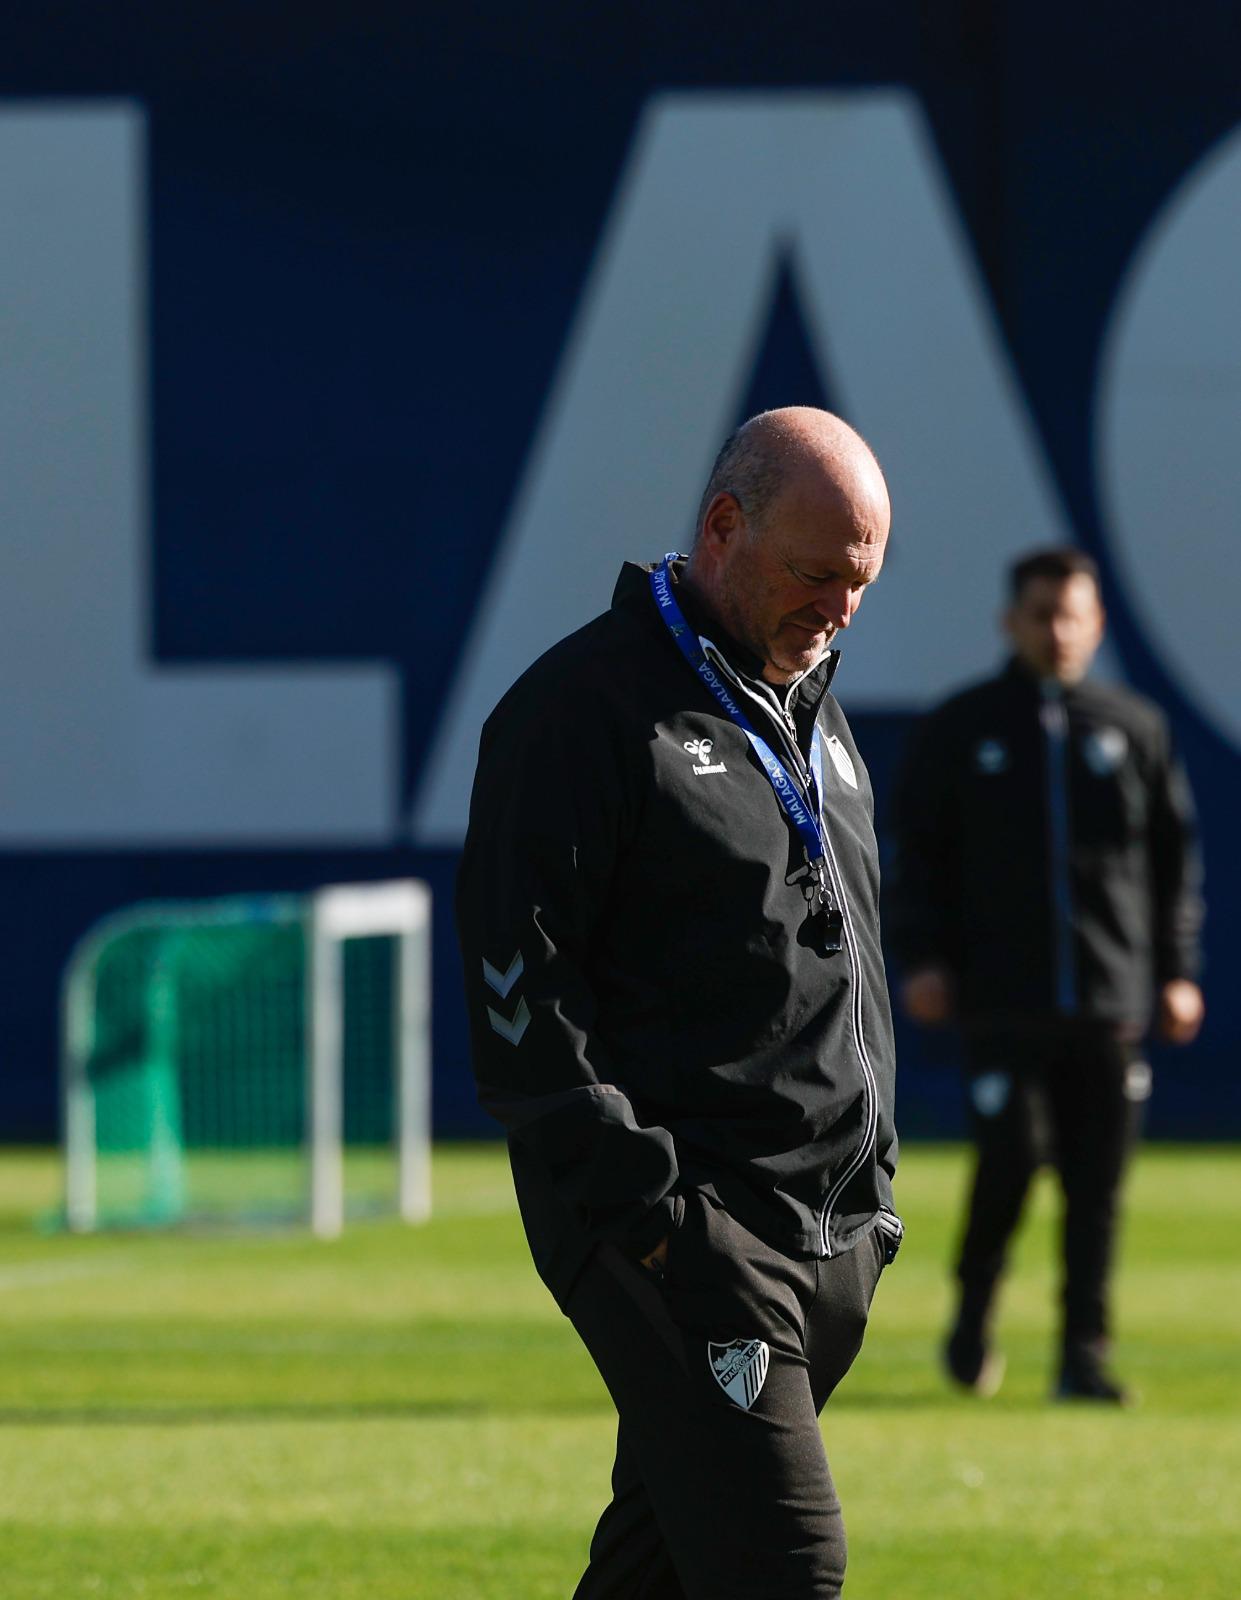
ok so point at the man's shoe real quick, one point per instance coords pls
(1083, 1376)
(971, 1363)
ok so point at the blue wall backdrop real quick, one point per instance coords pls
(344, 353)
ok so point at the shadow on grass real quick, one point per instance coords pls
(896, 1398)
(177, 1416)
(174, 1415)
(924, 1398)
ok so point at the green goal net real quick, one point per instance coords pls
(255, 1059)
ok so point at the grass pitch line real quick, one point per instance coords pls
(38, 1273)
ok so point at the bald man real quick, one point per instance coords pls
(668, 918)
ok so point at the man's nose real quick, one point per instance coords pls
(835, 604)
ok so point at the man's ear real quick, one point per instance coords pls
(722, 522)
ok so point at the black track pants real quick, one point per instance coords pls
(1073, 1099)
(721, 1488)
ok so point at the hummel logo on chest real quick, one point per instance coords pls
(702, 749)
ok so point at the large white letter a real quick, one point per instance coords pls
(720, 188)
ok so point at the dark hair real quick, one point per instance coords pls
(1058, 562)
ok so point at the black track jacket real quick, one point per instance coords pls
(647, 1011)
(1046, 853)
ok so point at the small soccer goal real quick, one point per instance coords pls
(256, 1059)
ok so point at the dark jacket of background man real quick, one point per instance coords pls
(1049, 892)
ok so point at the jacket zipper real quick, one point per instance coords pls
(871, 1088)
(1054, 721)
(869, 1085)
(772, 707)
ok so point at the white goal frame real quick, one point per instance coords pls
(401, 908)
(398, 908)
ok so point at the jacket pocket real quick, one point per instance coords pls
(659, 1271)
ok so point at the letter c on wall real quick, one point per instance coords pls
(1168, 440)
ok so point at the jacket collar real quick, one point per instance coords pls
(633, 594)
(1020, 677)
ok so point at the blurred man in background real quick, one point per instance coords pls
(668, 908)
(1045, 897)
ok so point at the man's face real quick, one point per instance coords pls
(1056, 625)
(788, 585)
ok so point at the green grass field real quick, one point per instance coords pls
(403, 1413)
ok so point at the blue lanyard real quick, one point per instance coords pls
(802, 809)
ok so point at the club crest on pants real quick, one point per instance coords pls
(739, 1368)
